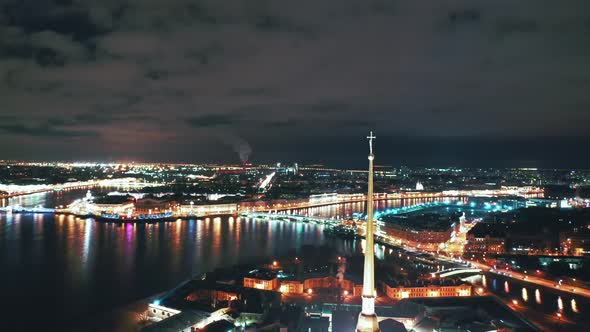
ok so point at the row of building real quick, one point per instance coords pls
(268, 280)
(260, 304)
(201, 305)
(146, 208)
(496, 239)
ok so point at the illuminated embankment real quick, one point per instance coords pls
(12, 190)
(334, 199)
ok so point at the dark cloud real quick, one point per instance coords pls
(464, 16)
(212, 120)
(115, 105)
(384, 7)
(205, 55)
(252, 92)
(43, 131)
(328, 107)
(156, 74)
(288, 123)
(62, 17)
(46, 48)
(102, 118)
(136, 78)
(270, 23)
(510, 26)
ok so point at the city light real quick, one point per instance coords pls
(538, 296)
(441, 263)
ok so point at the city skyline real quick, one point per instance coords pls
(461, 83)
(202, 165)
(383, 251)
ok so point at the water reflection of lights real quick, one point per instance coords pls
(506, 287)
(87, 236)
(525, 295)
(574, 306)
(484, 281)
(559, 303)
(538, 296)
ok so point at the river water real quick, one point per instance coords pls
(59, 270)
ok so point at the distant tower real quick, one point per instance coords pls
(368, 321)
(419, 186)
(462, 221)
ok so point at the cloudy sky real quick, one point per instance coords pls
(440, 82)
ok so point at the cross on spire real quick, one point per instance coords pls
(371, 138)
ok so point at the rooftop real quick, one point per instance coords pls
(248, 299)
(425, 221)
(177, 322)
(218, 326)
(262, 274)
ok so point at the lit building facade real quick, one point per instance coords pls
(159, 312)
(327, 282)
(428, 291)
(424, 239)
(291, 287)
(480, 245)
(575, 243)
(207, 210)
(260, 281)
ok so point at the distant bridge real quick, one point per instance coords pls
(457, 271)
(20, 209)
(21, 190)
(291, 217)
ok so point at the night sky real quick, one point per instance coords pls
(467, 83)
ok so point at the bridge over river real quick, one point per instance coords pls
(291, 217)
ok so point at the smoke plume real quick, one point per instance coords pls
(239, 145)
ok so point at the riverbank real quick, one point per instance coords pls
(122, 220)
